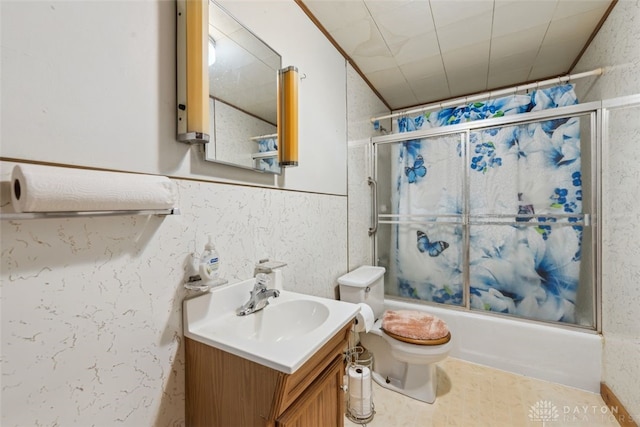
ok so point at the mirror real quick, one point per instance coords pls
(243, 73)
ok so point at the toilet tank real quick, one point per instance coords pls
(364, 284)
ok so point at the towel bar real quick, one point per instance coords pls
(82, 214)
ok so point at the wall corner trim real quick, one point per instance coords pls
(616, 407)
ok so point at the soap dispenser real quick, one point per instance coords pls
(209, 262)
(193, 280)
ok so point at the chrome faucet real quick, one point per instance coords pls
(259, 295)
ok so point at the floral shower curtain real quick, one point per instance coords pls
(524, 192)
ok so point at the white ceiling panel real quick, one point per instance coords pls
(380, 7)
(358, 33)
(569, 8)
(559, 53)
(336, 15)
(525, 40)
(543, 71)
(409, 19)
(419, 47)
(514, 61)
(397, 91)
(421, 51)
(465, 32)
(464, 81)
(503, 76)
(422, 68)
(373, 45)
(447, 12)
(473, 56)
(372, 64)
(388, 77)
(513, 16)
(425, 89)
(574, 25)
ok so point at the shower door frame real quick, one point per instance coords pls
(592, 110)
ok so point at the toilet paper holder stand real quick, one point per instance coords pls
(360, 408)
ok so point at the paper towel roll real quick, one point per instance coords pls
(360, 403)
(364, 319)
(37, 188)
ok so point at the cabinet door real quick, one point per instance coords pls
(322, 404)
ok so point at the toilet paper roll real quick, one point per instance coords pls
(360, 401)
(364, 319)
(359, 382)
(37, 188)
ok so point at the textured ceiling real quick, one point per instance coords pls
(415, 52)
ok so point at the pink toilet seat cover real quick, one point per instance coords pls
(416, 325)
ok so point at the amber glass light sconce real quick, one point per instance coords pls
(288, 117)
(192, 49)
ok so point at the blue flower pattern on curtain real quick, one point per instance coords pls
(530, 271)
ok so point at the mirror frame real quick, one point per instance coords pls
(192, 48)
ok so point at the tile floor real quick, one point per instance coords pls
(472, 395)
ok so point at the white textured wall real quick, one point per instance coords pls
(363, 104)
(92, 83)
(617, 48)
(621, 258)
(91, 307)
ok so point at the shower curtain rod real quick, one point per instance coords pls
(492, 94)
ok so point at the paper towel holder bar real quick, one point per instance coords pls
(83, 214)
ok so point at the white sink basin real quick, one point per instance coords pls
(281, 322)
(282, 336)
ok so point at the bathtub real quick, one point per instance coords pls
(549, 353)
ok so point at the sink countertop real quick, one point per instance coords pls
(303, 324)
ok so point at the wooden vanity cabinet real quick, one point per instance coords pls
(322, 404)
(224, 390)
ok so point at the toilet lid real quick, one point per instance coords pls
(415, 327)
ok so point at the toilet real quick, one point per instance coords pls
(400, 363)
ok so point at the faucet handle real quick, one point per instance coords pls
(262, 280)
(266, 266)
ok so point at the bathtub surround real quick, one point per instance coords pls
(362, 104)
(617, 45)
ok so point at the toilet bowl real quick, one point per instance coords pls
(407, 368)
(405, 365)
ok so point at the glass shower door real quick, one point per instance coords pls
(529, 207)
(494, 219)
(421, 238)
